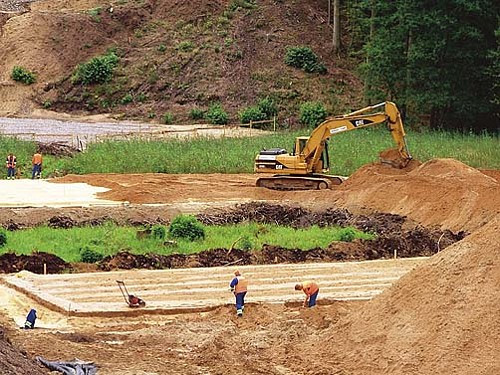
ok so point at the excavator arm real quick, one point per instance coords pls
(356, 120)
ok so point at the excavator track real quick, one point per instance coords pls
(287, 182)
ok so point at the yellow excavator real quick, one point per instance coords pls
(306, 167)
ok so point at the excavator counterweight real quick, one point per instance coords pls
(307, 166)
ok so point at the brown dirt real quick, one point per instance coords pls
(440, 192)
(440, 318)
(10, 263)
(15, 362)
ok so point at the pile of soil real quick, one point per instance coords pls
(10, 263)
(64, 222)
(441, 318)
(14, 362)
(298, 217)
(443, 192)
(416, 242)
(56, 149)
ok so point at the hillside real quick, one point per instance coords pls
(173, 56)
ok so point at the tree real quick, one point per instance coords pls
(336, 25)
(432, 57)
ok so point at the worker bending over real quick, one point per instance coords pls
(239, 288)
(30, 320)
(311, 290)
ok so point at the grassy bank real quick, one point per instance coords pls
(234, 155)
(108, 239)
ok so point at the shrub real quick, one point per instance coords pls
(20, 74)
(88, 255)
(244, 4)
(127, 98)
(185, 46)
(197, 114)
(304, 58)
(252, 114)
(246, 243)
(312, 113)
(347, 235)
(161, 48)
(47, 104)
(268, 106)
(98, 70)
(216, 115)
(159, 232)
(186, 227)
(3, 238)
(168, 118)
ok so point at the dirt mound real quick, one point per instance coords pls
(56, 149)
(10, 263)
(442, 192)
(14, 362)
(441, 318)
(61, 222)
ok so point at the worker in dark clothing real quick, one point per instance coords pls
(36, 161)
(10, 163)
(30, 320)
(239, 287)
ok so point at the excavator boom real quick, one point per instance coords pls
(306, 167)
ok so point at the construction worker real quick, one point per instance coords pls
(36, 161)
(10, 163)
(311, 290)
(239, 288)
(30, 320)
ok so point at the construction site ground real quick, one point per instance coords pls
(437, 315)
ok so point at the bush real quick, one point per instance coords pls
(216, 115)
(159, 232)
(252, 114)
(185, 46)
(246, 243)
(98, 70)
(268, 106)
(304, 58)
(347, 235)
(3, 238)
(186, 227)
(197, 114)
(88, 255)
(20, 74)
(243, 4)
(168, 118)
(312, 113)
(127, 98)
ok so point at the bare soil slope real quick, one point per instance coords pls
(441, 318)
(13, 362)
(174, 55)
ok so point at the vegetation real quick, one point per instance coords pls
(312, 113)
(23, 75)
(186, 227)
(348, 152)
(304, 58)
(108, 239)
(438, 59)
(252, 114)
(197, 114)
(168, 118)
(3, 237)
(217, 115)
(97, 70)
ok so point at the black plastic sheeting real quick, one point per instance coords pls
(76, 367)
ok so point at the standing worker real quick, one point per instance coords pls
(311, 290)
(239, 287)
(36, 161)
(11, 166)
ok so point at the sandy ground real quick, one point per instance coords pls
(40, 193)
(198, 289)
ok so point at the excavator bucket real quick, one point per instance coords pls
(394, 158)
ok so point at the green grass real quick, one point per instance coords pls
(108, 239)
(348, 152)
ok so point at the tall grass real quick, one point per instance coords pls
(108, 239)
(348, 152)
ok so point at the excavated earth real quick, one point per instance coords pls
(442, 317)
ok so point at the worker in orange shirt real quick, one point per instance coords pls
(239, 287)
(311, 290)
(36, 161)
